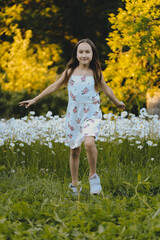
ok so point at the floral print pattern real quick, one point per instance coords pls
(83, 112)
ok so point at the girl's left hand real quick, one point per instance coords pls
(121, 105)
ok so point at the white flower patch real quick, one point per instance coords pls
(47, 129)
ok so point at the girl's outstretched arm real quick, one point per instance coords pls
(109, 93)
(50, 89)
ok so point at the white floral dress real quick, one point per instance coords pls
(83, 115)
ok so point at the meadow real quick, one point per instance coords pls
(35, 201)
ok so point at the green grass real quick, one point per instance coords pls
(35, 202)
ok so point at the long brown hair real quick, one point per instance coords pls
(94, 64)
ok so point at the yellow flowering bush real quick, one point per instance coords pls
(134, 63)
(26, 66)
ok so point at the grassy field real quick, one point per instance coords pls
(35, 202)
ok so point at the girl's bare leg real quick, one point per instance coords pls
(74, 163)
(92, 153)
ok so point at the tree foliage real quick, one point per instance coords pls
(24, 65)
(134, 63)
(59, 22)
(33, 32)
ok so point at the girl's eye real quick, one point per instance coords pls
(82, 51)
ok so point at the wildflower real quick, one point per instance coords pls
(108, 116)
(50, 145)
(150, 143)
(49, 114)
(152, 159)
(155, 116)
(56, 117)
(48, 139)
(140, 147)
(12, 144)
(150, 116)
(41, 117)
(131, 115)
(61, 140)
(154, 145)
(141, 126)
(1, 142)
(131, 138)
(143, 112)
(112, 138)
(24, 118)
(21, 145)
(124, 114)
(3, 120)
(138, 142)
(32, 112)
(105, 116)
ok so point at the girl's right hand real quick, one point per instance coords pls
(27, 103)
(121, 105)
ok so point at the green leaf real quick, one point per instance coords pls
(2, 168)
(139, 177)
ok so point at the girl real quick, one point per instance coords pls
(83, 76)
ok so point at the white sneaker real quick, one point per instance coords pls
(95, 185)
(75, 189)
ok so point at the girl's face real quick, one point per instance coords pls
(84, 53)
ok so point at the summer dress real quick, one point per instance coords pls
(83, 115)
